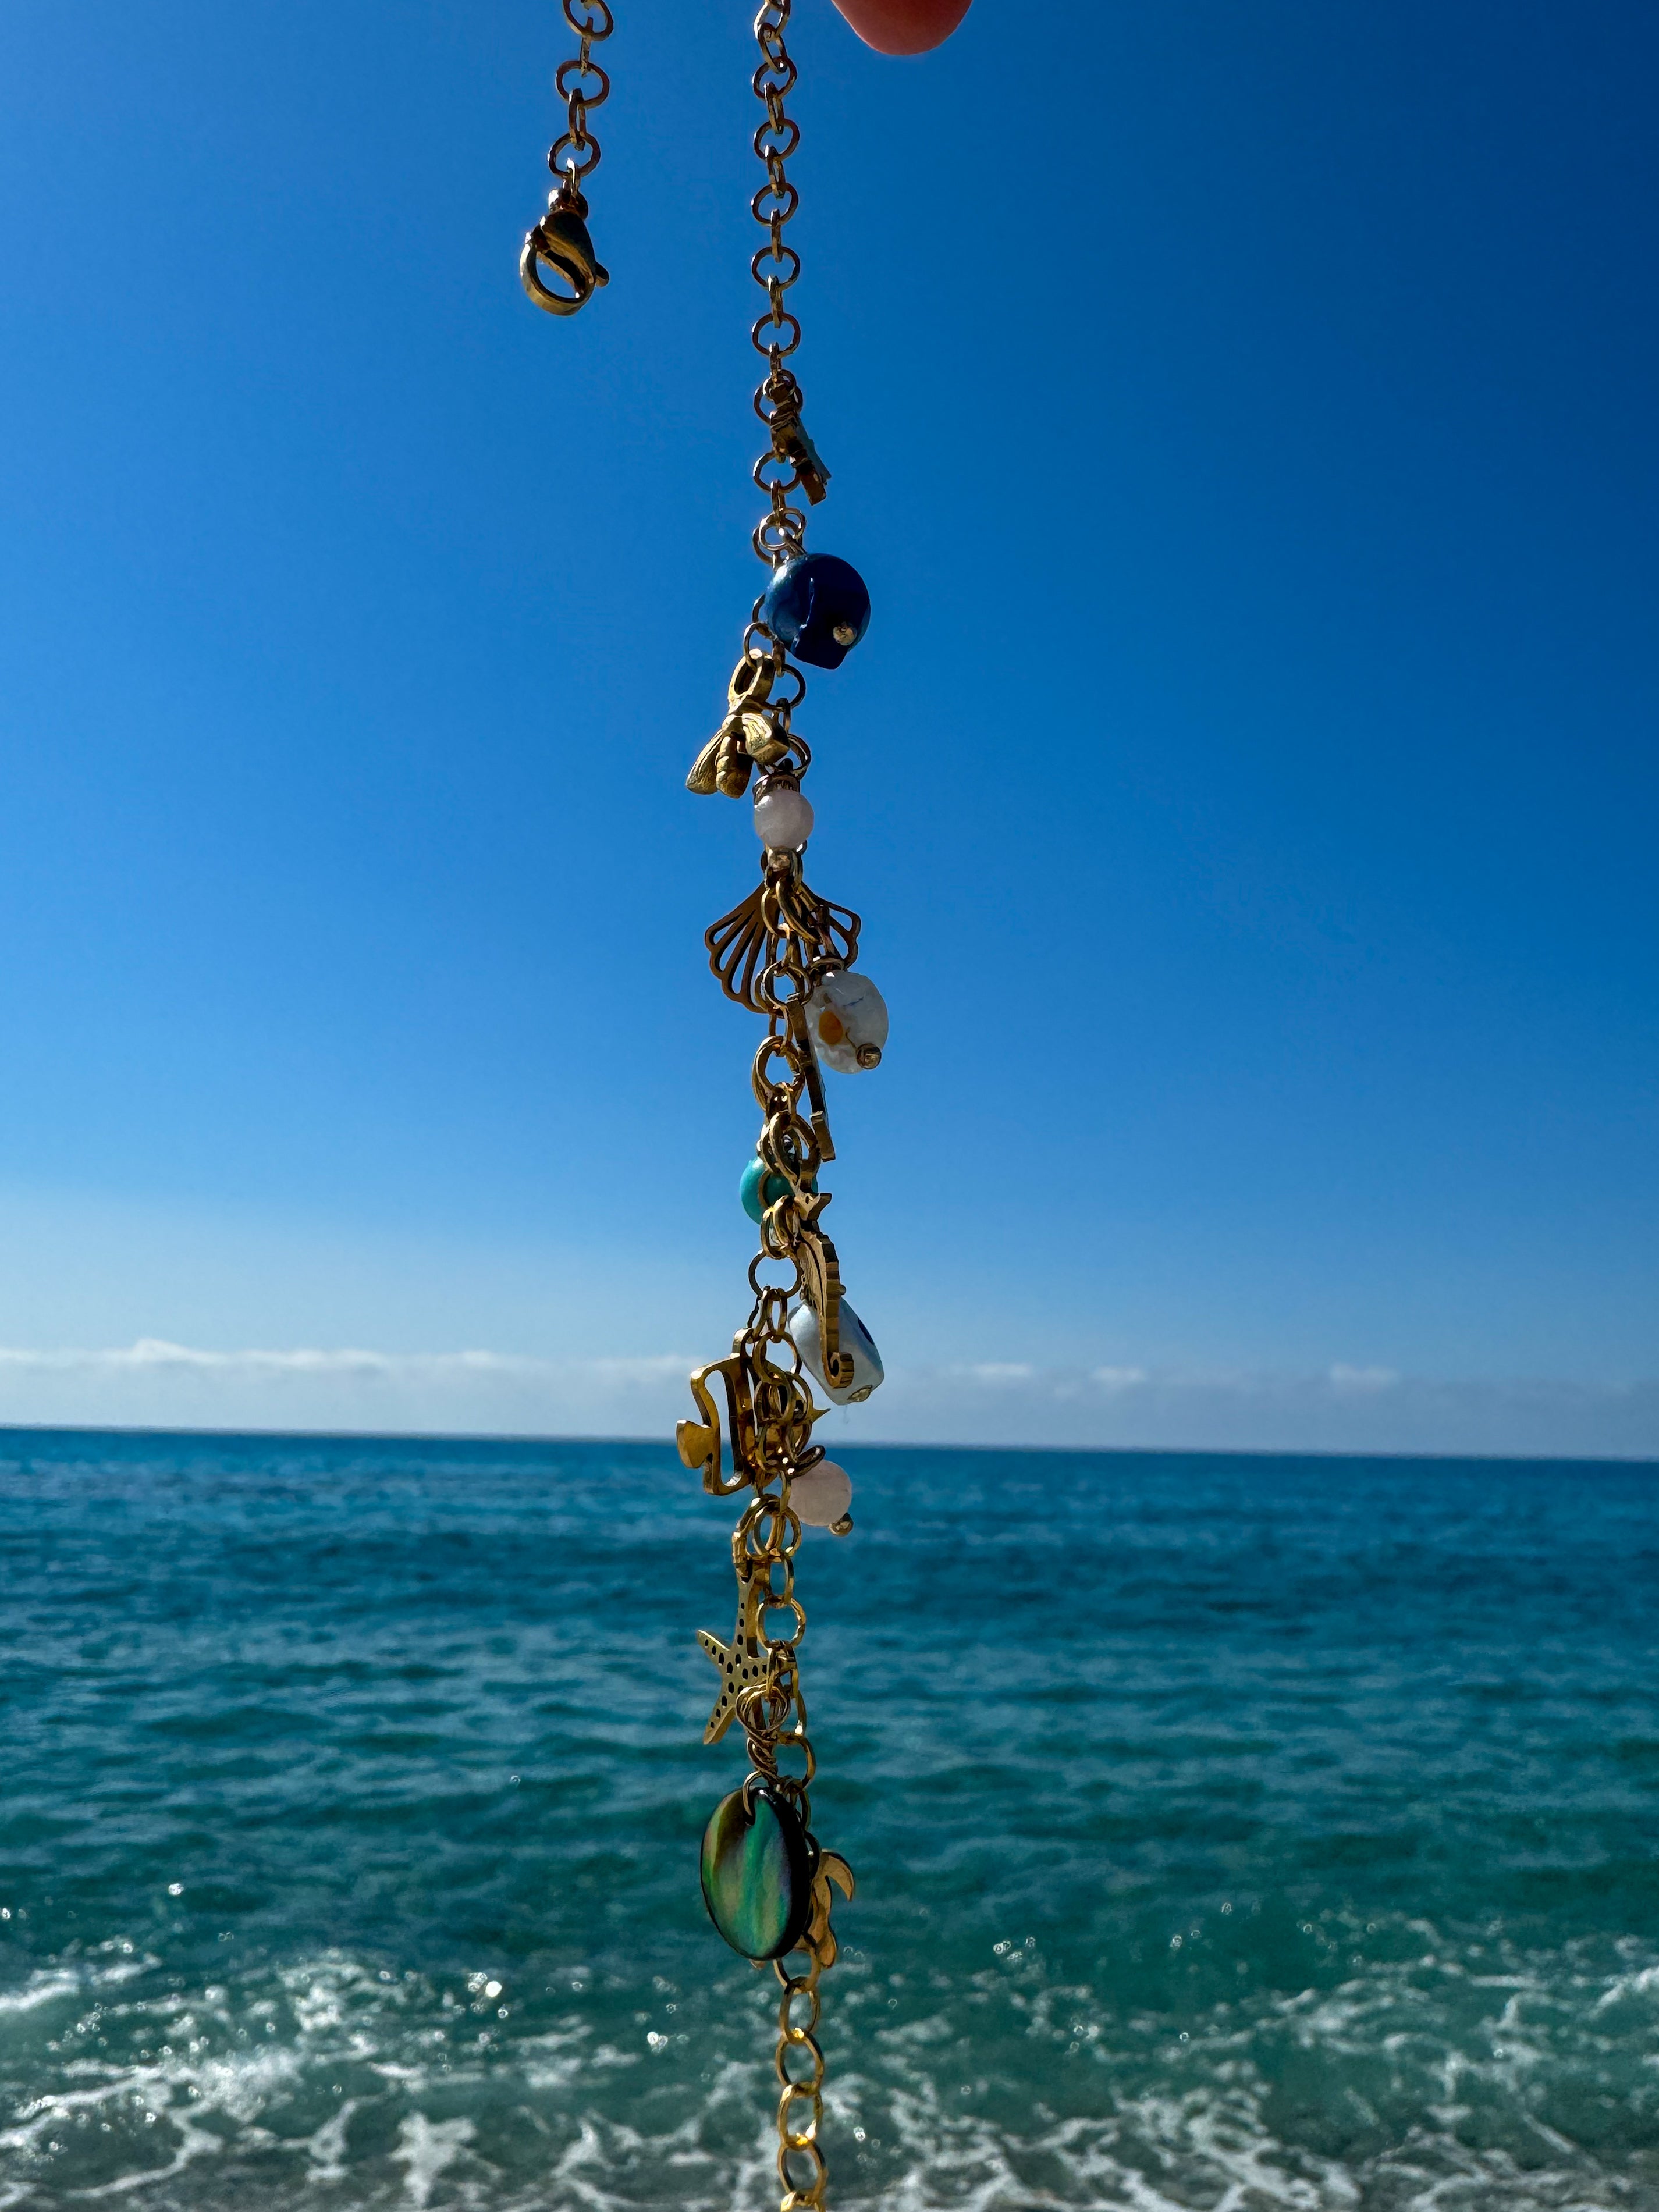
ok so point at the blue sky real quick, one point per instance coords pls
(1245, 420)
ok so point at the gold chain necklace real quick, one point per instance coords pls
(787, 955)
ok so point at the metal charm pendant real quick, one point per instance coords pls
(560, 240)
(747, 734)
(758, 1871)
(787, 955)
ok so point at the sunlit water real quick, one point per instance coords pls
(1230, 1833)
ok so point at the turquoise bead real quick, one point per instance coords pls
(757, 1874)
(750, 1188)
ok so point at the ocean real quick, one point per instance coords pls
(1231, 1832)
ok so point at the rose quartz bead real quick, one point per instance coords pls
(783, 819)
(822, 1496)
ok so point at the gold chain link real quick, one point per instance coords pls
(590, 20)
(790, 462)
(559, 245)
(769, 955)
(773, 1715)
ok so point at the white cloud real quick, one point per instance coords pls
(1349, 1407)
(153, 1354)
(157, 1383)
(1361, 1379)
(1119, 1378)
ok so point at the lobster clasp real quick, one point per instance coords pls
(561, 241)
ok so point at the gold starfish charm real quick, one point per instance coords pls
(742, 1662)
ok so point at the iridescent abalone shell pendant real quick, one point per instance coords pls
(757, 1874)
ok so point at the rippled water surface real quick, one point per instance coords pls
(1230, 1833)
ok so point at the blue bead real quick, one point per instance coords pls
(817, 606)
(750, 1188)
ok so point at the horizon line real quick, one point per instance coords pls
(506, 1439)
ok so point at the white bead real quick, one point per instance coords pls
(822, 1496)
(868, 1373)
(847, 1017)
(783, 819)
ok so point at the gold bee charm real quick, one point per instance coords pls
(744, 737)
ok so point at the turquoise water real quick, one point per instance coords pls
(1230, 1833)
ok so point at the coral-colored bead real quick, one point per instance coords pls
(903, 27)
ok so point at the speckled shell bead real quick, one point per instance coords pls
(848, 1018)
